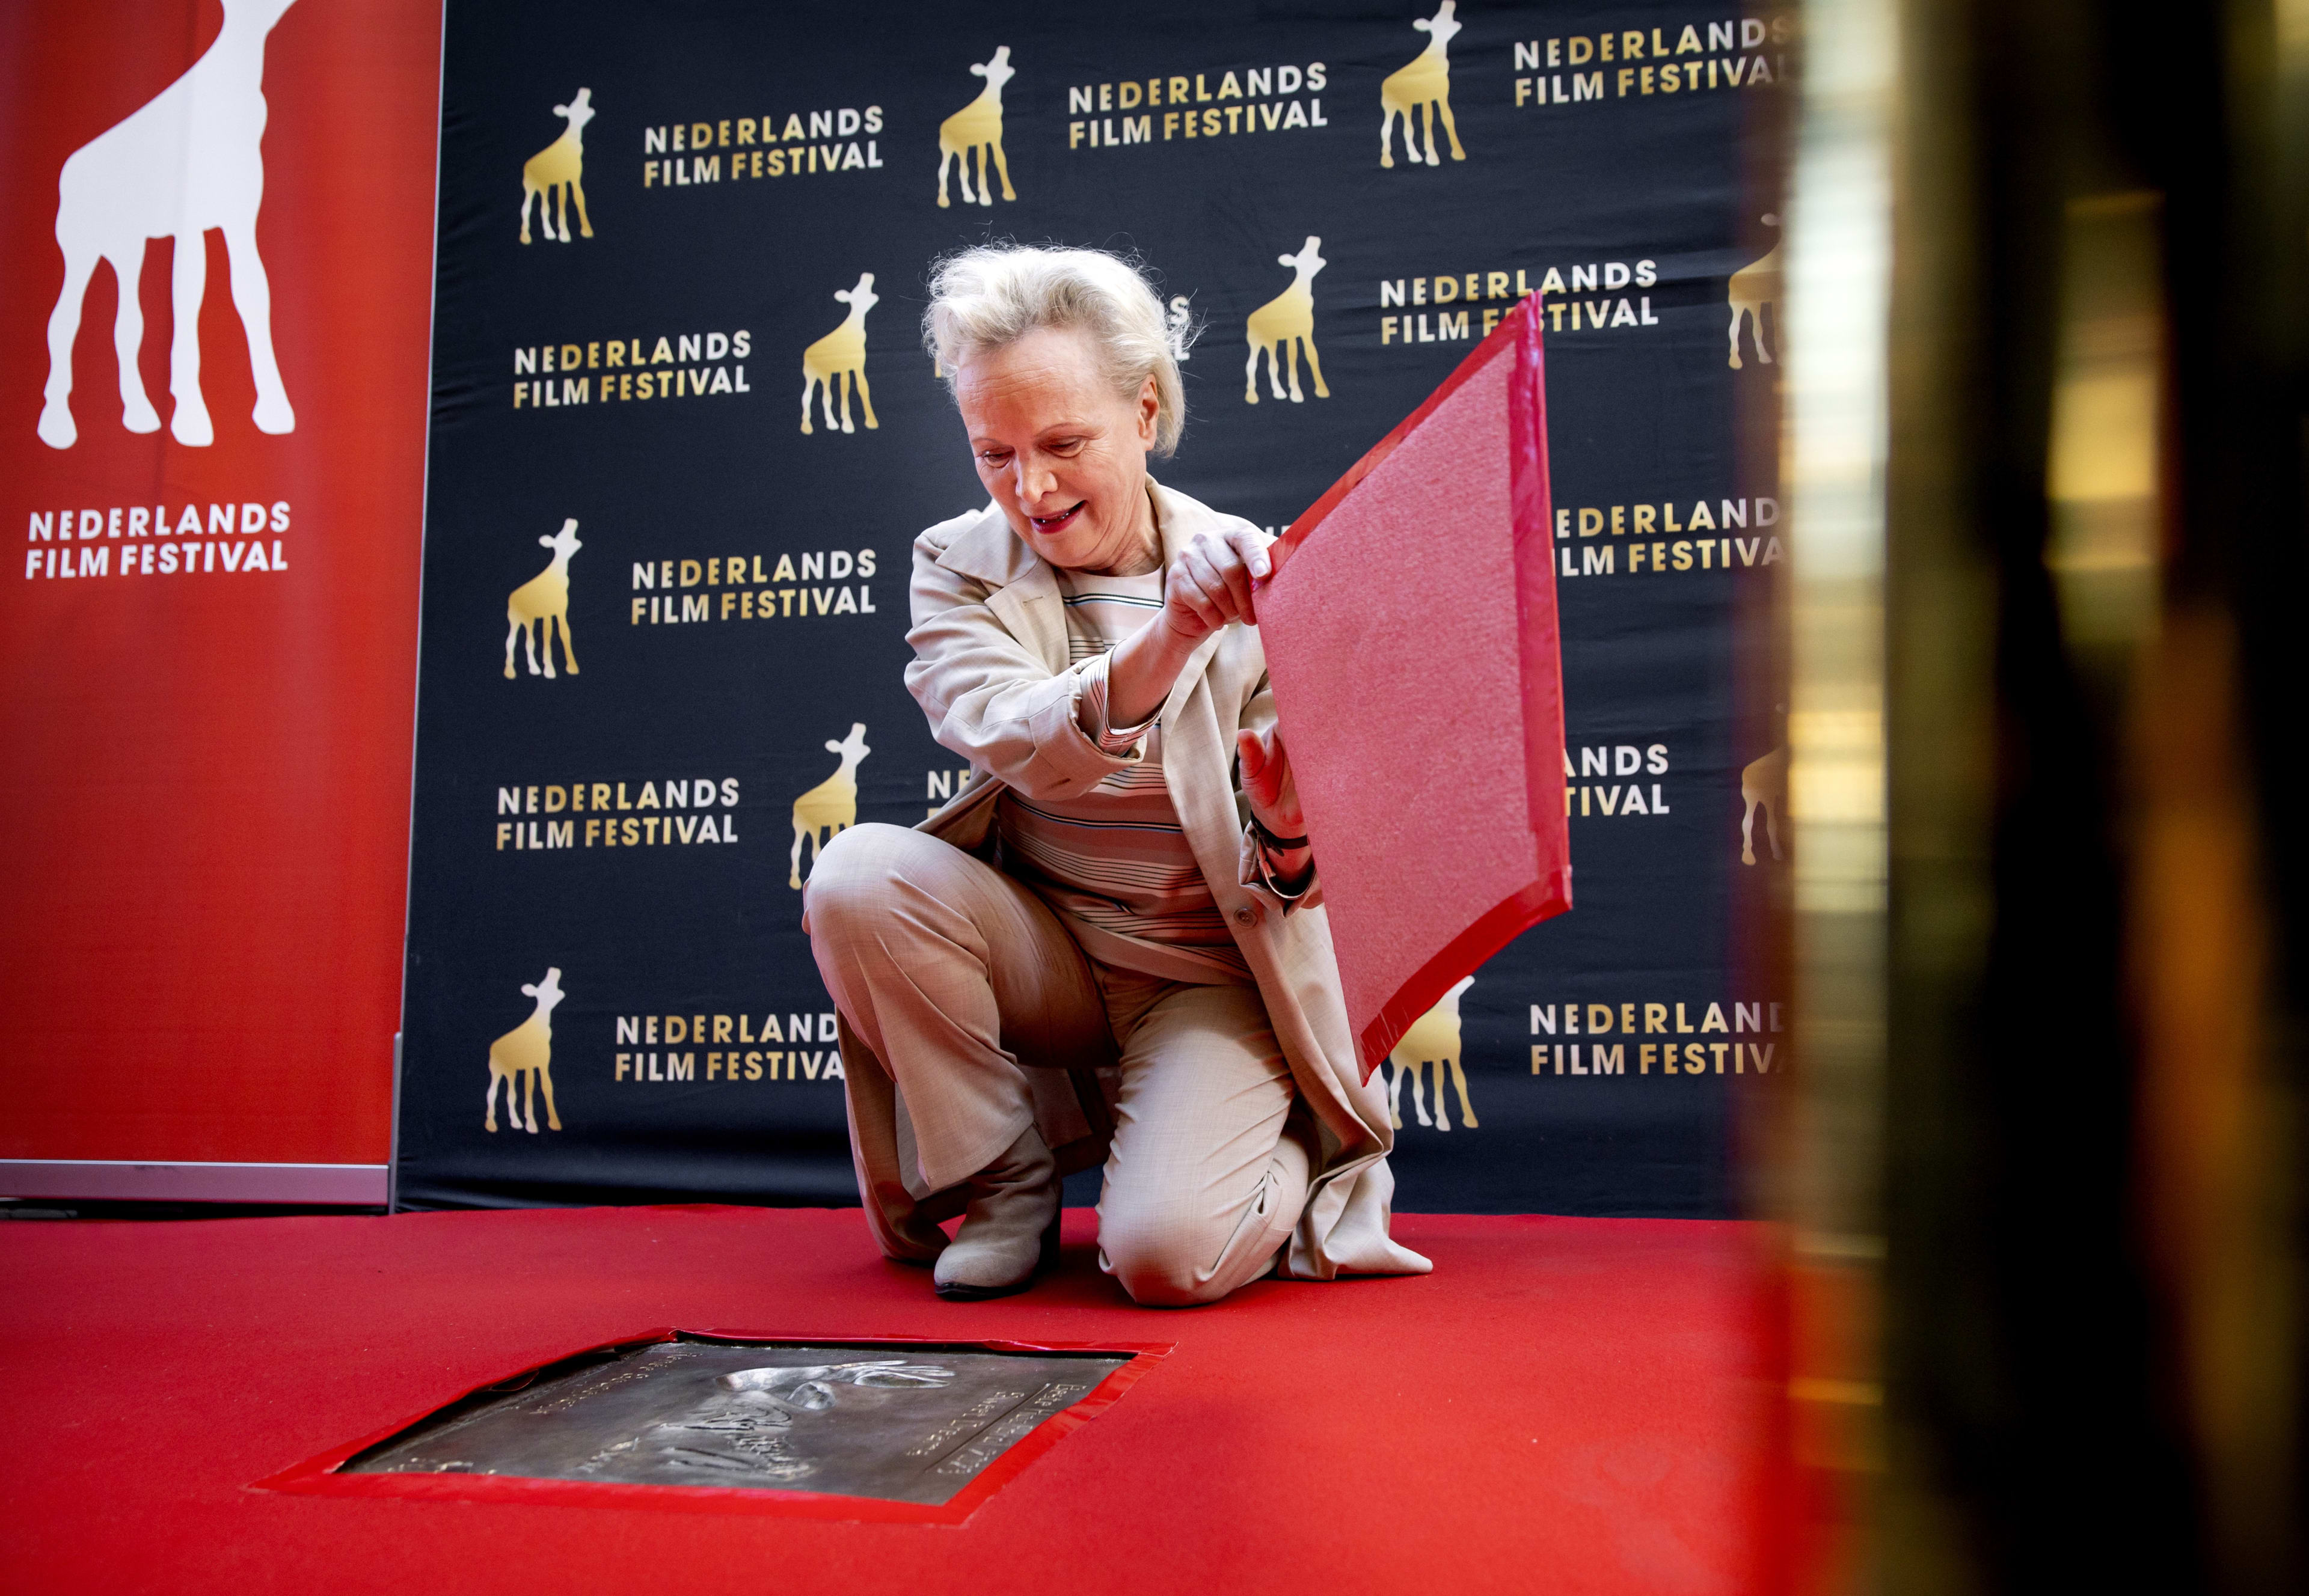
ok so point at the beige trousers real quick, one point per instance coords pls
(960, 979)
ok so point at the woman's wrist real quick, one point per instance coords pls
(1142, 671)
(1288, 871)
(1292, 863)
(1280, 840)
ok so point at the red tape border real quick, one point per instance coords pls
(319, 1477)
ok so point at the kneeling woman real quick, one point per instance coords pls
(1108, 946)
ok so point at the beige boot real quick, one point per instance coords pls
(1011, 1227)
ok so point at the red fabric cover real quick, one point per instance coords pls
(1570, 1405)
(1411, 634)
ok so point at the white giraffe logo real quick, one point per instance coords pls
(187, 160)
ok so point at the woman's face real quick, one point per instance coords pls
(1061, 454)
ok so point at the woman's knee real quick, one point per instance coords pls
(1164, 1261)
(851, 871)
(1170, 1252)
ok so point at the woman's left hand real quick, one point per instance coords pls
(1267, 783)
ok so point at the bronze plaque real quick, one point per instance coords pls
(897, 1422)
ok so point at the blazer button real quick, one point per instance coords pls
(1246, 916)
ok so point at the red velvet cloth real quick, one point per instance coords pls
(1411, 634)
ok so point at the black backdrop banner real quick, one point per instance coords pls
(684, 433)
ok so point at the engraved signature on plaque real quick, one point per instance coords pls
(763, 1415)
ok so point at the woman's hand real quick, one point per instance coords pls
(1209, 585)
(1274, 796)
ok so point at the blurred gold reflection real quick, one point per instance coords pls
(2104, 466)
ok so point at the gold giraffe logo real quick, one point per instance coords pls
(543, 602)
(1753, 288)
(978, 125)
(559, 166)
(830, 808)
(839, 359)
(1287, 317)
(1433, 1039)
(1425, 84)
(524, 1055)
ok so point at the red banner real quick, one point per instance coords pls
(218, 250)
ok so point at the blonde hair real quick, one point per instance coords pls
(995, 294)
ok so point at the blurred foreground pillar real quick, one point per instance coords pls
(2049, 286)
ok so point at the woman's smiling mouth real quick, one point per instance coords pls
(1050, 525)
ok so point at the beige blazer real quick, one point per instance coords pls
(991, 671)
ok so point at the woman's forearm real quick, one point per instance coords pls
(1142, 671)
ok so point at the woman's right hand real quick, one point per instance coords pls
(1209, 584)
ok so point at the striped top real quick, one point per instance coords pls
(1114, 862)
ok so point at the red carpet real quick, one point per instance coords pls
(1565, 1405)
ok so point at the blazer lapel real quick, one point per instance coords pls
(1190, 677)
(1031, 610)
(1197, 759)
(1197, 770)
(1177, 519)
(1025, 590)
